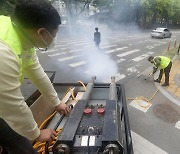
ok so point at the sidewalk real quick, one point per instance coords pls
(172, 92)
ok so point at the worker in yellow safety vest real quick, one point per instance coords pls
(164, 64)
(33, 24)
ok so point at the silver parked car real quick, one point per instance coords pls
(161, 33)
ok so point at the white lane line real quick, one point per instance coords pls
(142, 56)
(68, 58)
(88, 72)
(108, 46)
(61, 45)
(93, 45)
(53, 50)
(115, 50)
(78, 64)
(88, 43)
(139, 42)
(118, 77)
(120, 60)
(149, 47)
(132, 69)
(177, 125)
(74, 42)
(57, 54)
(143, 146)
(76, 50)
(128, 53)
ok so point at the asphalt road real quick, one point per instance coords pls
(123, 54)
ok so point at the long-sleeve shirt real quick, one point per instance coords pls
(156, 62)
(13, 108)
(97, 37)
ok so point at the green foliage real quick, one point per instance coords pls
(103, 4)
(7, 7)
(143, 12)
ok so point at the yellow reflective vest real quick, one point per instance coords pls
(164, 62)
(9, 36)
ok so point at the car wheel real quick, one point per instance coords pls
(163, 36)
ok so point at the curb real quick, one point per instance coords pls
(165, 93)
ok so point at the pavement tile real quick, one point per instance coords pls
(178, 90)
(177, 94)
(174, 88)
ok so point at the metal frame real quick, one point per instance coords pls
(124, 113)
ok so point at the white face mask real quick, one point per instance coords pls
(49, 46)
(52, 45)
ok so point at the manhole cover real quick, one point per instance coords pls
(166, 113)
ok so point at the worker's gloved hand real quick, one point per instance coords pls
(151, 74)
(62, 108)
(46, 135)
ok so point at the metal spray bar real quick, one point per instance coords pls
(89, 88)
(112, 91)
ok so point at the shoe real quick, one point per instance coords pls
(157, 80)
(165, 84)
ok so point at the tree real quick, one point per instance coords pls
(103, 4)
(7, 7)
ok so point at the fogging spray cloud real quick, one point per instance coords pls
(100, 64)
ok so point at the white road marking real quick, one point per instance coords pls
(76, 50)
(128, 53)
(88, 72)
(118, 77)
(77, 64)
(139, 42)
(112, 38)
(93, 45)
(61, 45)
(115, 50)
(108, 46)
(131, 70)
(177, 125)
(143, 146)
(88, 43)
(50, 50)
(74, 42)
(57, 54)
(141, 105)
(142, 56)
(120, 60)
(149, 47)
(68, 58)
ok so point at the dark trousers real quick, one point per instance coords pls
(166, 71)
(97, 44)
(12, 142)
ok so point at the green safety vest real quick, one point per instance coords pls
(9, 36)
(164, 62)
